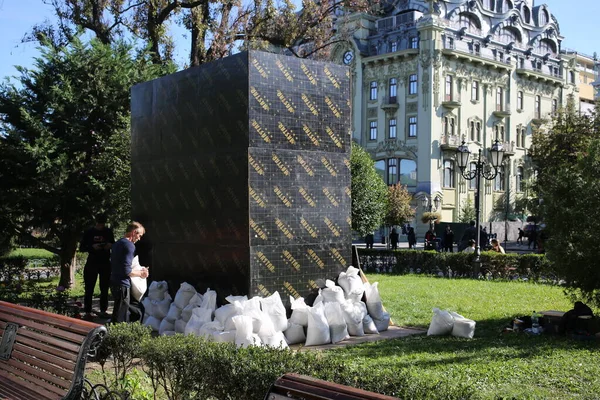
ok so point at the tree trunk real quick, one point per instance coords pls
(68, 264)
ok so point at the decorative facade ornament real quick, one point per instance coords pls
(394, 147)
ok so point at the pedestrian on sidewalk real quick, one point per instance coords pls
(394, 239)
(122, 257)
(412, 238)
(521, 236)
(449, 240)
(97, 242)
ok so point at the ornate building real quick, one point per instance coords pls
(428, 75)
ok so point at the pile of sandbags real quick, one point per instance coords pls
(337, 313)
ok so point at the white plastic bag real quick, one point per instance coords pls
(209, 300)
(174, 313)
(274, 308)
(354, 312)
(352, 283)
(337, 325)
(294, 334)
(153, 322)
(383, 323)
(209, 329)
(332, 293)
(157, 290)
(463, 327)
(277, 340)
(180, 325)
(243, 331)
(318, 330)
(138, 285)
(368, 325)
(374, 304)
(441, 323)
(165, 325)
(299, 311)
(184, 295)
(200, 316)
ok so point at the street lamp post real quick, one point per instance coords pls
(431, 206)
(496, 154)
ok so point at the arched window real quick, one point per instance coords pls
(546, 46)
(408, 173)
(506, 6)
(478, 129)
(527, 14)
(509, 35)
(472, 130)
(489, 4)
(392, 171)
(543, 17)
(468, 21)
(499, 180)
(448, 174)
(519, 185)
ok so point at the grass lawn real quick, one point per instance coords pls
(494, 365)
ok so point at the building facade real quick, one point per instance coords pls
(429, 75)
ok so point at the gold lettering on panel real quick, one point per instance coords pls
(336, 254)
(265, 261)
(315, 258)
(259, 232)
(293, 262)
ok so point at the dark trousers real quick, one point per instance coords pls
(91, 272)
(121, 307)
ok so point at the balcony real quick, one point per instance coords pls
(451, 101)
(542, 74)
(502, 111)
(450, 142)
(389, 103)
(476, 55)
(509, 148)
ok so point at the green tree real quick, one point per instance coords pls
(568, 164)
(467, 211)
(369, 192)
(65, 143)
(399, 210)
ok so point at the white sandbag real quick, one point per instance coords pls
(236, 299)
(337, 325)
(199, 317)
(243, 331)
(153, 323)
(174, 313)
(160, 308)
(196, 299)
(138, 285)
(374, 304)
(252, 304)
(184, 295)
(274, 308)
(318, 330)
(180, 325)
(354, 312)
(186, 313)
(157, 290)
(224, 312)
(368, 325)
(332, 293)
(224, 337)
(238, 310)
(165, 325)
(352, 283)
(463, 327)
(208, 329)
(294, 334)
(149, 307)
(277, 340)
(382, 324)
(209, 300)
(441, 323)
(299, 311)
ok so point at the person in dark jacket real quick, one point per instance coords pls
(412, 238)
(448, 240)
(97, 242)
(121, 272)
(394, 239)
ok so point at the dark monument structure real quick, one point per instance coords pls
(241, 174)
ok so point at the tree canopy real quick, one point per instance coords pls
(65, 143)
(369, 192)
(567, 158)
(399, 210)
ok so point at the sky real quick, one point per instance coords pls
(577, 20)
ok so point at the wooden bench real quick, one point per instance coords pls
(300, 387)
(43, 355)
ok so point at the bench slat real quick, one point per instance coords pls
(81, 327)
(6, 371)
(38, 376)
(75, 337)
(70, 355)
(21, 359)
(53, 360)
(42, 338)
(8, 390)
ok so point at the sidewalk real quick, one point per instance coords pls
(509, 247)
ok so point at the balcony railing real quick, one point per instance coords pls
(450, 141)
(389, 102)
(541, 70)
(502, 110)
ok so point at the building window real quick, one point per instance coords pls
(477, 48)
(543, 17)
(392, 171)
(373, 91)
(446, 125)
(554, 106)
(499, 180)
(473, 182)
(519, 100)
(449, 43)
(412, 126)
(380, 168)
(452, 130)
(408, 173)
(392, 128)
(412, 84)
(519, 186)
(497, 133)
(393, 90)
(538, 107)
(501, 139)
(472, 130)
(394, 46)
(475, 91)
(448, 174)
(414, 42)
(478, 129)
(373, 130)
(572, 77)
(448, 87)
(526, 14)
(499, 98)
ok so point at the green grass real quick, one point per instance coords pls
(493, 364)
(30, 253)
